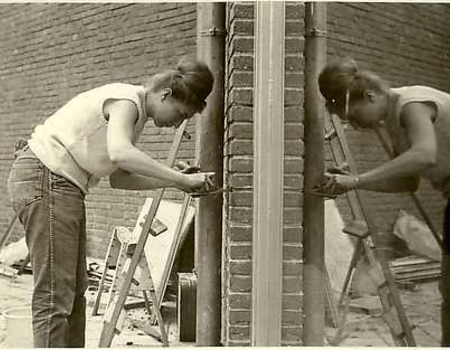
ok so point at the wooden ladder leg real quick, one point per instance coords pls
(156, 305)
(116, 308)
(121, 259)
(110, 259)
(348, 277)
(359, 202)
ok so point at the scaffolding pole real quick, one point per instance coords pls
(313, 208)
(209, 155)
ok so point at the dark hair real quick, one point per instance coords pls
(191, 82)
(339, 76)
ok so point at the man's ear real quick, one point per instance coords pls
(166, 93)
(370, 95)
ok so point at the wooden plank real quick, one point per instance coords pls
(160, 251)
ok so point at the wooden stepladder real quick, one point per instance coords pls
(368, 243)
(134, 252)
(121, 247)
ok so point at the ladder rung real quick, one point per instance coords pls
(330, 134)
(357, 228)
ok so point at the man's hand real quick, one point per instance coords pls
(194, 179)
(336, 182)
(186, 168)
(197, 182)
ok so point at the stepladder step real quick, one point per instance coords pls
(357, 228)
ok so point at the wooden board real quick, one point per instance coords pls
(158, 249)
(187, 306)
(338, 248)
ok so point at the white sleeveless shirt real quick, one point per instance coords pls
(439, 174)
(72, 141)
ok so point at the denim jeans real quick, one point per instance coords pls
(55, 226)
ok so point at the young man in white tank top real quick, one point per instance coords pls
(417, 119)
(90, 137)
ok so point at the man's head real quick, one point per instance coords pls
(179, 94)
(359, 97)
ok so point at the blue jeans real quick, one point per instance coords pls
(55, 226)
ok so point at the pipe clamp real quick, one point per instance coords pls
(213, 31)
(316, 32)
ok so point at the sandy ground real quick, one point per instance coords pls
(421, 305)
(17, 292)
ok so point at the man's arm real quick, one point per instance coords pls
(122, 115)
(403, 172)
(122, 179)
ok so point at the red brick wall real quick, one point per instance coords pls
(238, 174)
(50, 52)
(407, 44)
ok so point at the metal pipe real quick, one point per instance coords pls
(268, 174)
(313, 207)
(209, 155)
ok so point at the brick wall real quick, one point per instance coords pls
(238, 175)
(407, 44)
(50, 52)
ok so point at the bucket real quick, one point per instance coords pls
(19, 332)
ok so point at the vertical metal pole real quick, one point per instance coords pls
(209, 155)
(313, 207)
(268, 171)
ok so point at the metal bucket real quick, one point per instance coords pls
(19, 332)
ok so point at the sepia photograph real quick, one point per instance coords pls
(224, 174)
